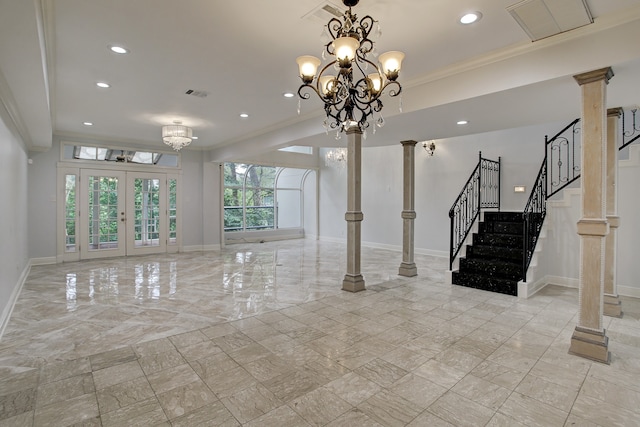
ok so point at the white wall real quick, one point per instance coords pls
(628, 273)
(439, 180)
(42, 203)
(14, 254)
(193, 216)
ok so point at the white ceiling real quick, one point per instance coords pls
(242, 53)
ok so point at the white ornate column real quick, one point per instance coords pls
(589, 338)
(612, 306)
(408, 266)
(353, 280)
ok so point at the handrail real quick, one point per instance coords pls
(630, 133)
(482, 190)
(559, 168)
(563, 165)
(533, 217)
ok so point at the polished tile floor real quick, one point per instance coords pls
(262, 335)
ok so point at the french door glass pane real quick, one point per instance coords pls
(147, 212)
(103, 212)
(173, 211)
(70, 213)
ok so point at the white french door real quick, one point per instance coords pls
(125, 213)
(102, 213)
(146, 213)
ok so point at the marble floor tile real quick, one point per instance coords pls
(123, 394)
(390, 409)
(481, 391)
(251, 403)
(116, 374)
(185, 399)
(532, 412)
(64, 389)
(213, 414)
(67, 412)
(353, 388)
(320, 406)
(460, 411)
(234, 337)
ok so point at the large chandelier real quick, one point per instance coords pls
(351, 94)
(177, 135)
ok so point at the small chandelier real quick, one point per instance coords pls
(352, 96)
(336, 158)
(177, 135)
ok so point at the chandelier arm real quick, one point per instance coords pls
(335, 31)
(307, 95)
(392, 92)
(366, 25)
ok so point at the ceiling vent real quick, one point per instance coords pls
(198, 93)
(545, 18)
(324, 12)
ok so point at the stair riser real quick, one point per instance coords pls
(503, 216)
(501, 227)
(493, 252)
(486, 284)
(505, 240)
(507, 271)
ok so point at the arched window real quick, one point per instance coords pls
(262, 197)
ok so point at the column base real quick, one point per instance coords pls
(612, 306)
(408, 269)
(353, 283)
(590, 345)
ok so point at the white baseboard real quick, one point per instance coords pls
(528, 289)
(8, 309)
(628, 291)
(568, 282)
(200, 248)
(448, 277)
(432, 252)
(44, 261)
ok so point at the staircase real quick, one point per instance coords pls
(493, 262)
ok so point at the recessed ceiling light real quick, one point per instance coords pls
(288, 94)
(462, 122)
(87, 123)
(118, 49)
(244, 115)
(470, 18)
(103, 85)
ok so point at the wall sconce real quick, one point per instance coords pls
(429, 147)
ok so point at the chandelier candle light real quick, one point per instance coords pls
(351, 97)
(177, 135)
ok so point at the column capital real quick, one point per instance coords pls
(409, 142)
(614, 112)
(593, 76)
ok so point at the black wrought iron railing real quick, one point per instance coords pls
(481, 191)
(560, 167)
(630, 131)
(562, 154)
(533, 217)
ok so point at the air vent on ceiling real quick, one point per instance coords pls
(324, 12)
(198, 93)
(545, 18)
